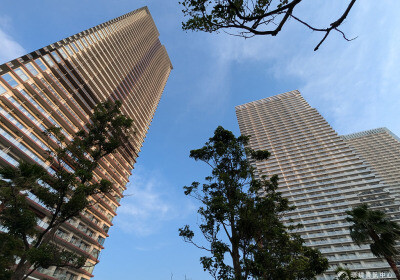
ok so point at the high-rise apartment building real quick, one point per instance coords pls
(381, 149)
(320, 174)
(59, 85)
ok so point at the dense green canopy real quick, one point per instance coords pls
(241, 218)
(64, 193)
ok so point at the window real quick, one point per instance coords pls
(69, 51)
(101, 34)
(56, 57)
(58, 271)
(84, 42)
(101, 240)
(89, 232)
(80, 44)
(21, 74)
(84, 246)
(74, 240)
(60, 233)
(48, 60)
(74, 47)
(10, 80)
(106, 228)
(41, 64)
(89, 267)
(2, 89)
(113, 206)
(95, 253)
(28, 97)
(89, 39)
(95, 221)
(70, 276)
(93, 38)
(63, 54)
(31, 69)
(21, 108)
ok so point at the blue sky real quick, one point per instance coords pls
(354, 85)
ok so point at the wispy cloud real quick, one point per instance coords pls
(9, 48)
(148, 204)
(223, 51)
(353, 84)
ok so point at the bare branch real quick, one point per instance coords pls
(344, 35)
(333, 26)
(198, 246)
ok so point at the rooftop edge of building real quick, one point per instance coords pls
(271, 98)
(370, 132)
(16, 62)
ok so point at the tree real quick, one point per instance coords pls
(64, 193)
(241, 218)
(374, 228)
(247, 18)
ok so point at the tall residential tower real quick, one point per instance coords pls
(381, 149)
(320, 174)
(59, 85)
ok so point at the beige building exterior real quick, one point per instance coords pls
(59, 85)
(320, 174)
(381, 149)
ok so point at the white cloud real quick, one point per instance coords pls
(223, 52)
(9, 48)
(147, 204)
(353, 84)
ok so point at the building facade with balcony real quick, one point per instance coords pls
(381, 149)
(320, 174)
(59, 85)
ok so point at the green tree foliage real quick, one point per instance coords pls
(64, 193)
(374, 228)
(247, 18)
(241, 218)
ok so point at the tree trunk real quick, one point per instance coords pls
(236, 255)
(23, 266)
(21, 270)
(235, 251)
(236, 263)
(392, 264)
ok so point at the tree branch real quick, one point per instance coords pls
(30, 272)
(249, 18)
(289, 6)
(198, 246)
(333, 26)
